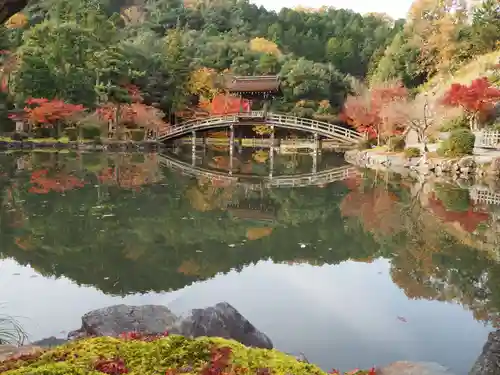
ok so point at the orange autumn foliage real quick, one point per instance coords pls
(224, 104)
(257, 233)
(45, 112)
(365, 111)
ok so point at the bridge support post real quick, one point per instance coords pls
(231, 148)
(193, 148)
(315, 153)
(271, 154)
(315, 161)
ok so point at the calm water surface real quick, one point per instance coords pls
(350, 268)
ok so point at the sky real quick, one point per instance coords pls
(394, 8)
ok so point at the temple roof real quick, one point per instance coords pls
(253, 84)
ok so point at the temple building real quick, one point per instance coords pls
(254, 88)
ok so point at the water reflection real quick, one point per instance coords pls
(369, 252)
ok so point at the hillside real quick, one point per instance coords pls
(173, 53)
(483, 65)
(163, 59)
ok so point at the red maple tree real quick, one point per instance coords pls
(47, 113)
(477, 99)
(225, 104)
(134, 114)
(364, 111)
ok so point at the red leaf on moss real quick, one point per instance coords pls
(115, 366)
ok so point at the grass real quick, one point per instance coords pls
(38, 140)
(479, 67)
(11, 332)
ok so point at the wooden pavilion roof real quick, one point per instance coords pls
(253, 84)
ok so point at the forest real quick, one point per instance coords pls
(68, 63)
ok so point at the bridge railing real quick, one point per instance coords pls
(311, 124)
(271, 118)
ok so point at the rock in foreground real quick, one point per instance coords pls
(114, 320)
(488, 363)
(150, 356)
(221, 320)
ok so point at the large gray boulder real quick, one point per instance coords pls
(117, 319)
(414, 368)
(488, 363)
(221, 320)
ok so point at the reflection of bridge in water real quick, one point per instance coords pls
(257, 182)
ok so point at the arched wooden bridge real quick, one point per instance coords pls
(249, 181)
(332, 131)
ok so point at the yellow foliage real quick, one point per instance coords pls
(264, 46)
(18, 20)
(133, 15)
(201, 83)
(301, 8)
(324, 104)
(262, 129)
(256, 233)
(260, 156)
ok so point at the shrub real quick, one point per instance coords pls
(396, 143)
(20, 136)
(412, 152)
(90, 131)
(71, 133)
(365, 144)
(459, 122)
(137, 134)
(460, 142)
(161, 355)
(453, 198)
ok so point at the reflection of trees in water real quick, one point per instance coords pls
(427, 261)
(105, 233)
(155, 230)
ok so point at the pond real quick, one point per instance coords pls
(351, 268)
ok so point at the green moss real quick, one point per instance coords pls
(155, 357)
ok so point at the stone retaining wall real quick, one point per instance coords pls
(479, 167)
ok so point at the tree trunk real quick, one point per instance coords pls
(473, 122)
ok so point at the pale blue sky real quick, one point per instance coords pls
(395, 8)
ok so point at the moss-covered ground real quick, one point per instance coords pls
(167, 355)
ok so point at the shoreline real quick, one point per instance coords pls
(105, 145)
(464, 169)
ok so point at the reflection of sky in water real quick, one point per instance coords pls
(344, 316)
